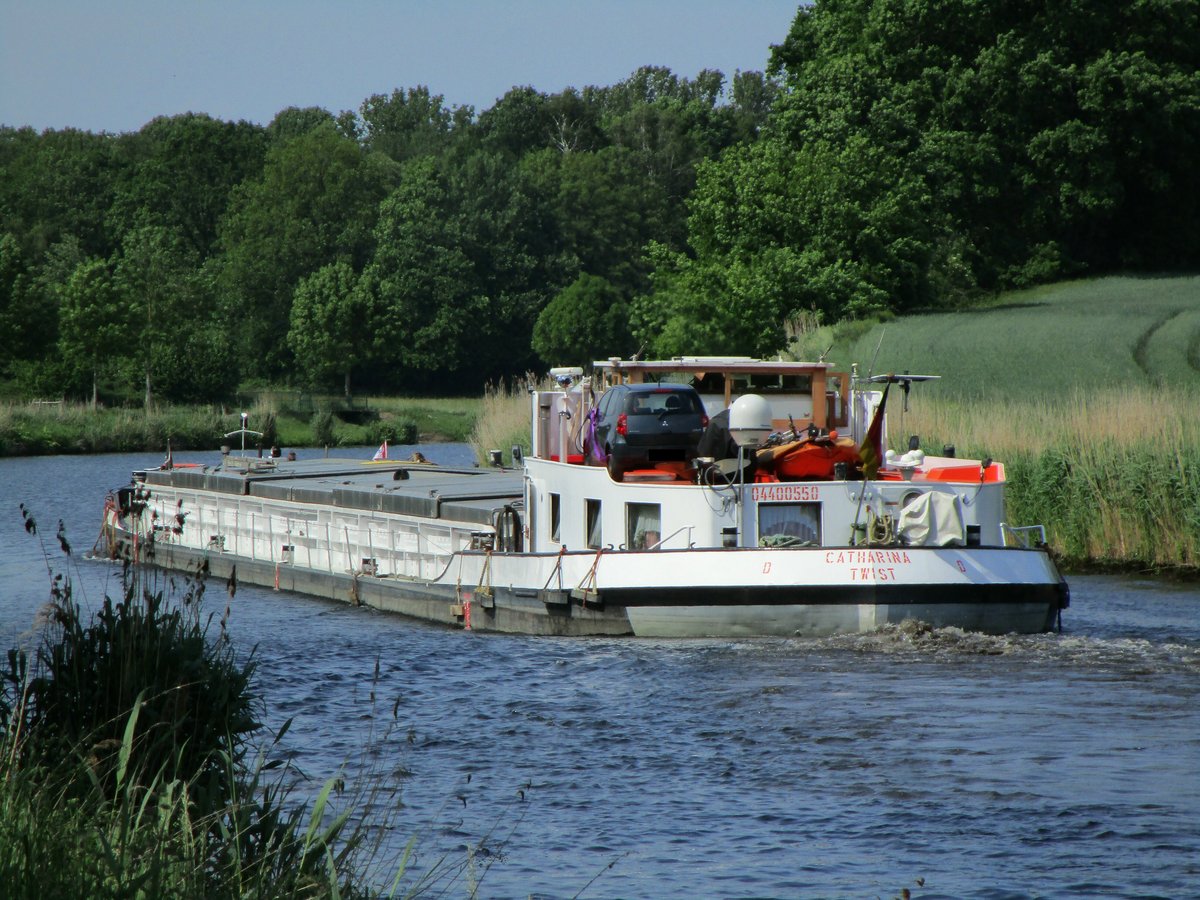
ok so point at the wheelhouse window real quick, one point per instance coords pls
(591, 511)
(789, 524)
(643, 525)
(555, 517)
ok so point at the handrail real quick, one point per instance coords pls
(687, 528)
(1022, 533)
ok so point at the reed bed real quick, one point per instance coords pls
(125, 768)
(503, 420)
(1114, 474)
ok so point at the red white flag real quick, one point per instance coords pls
(381, 453)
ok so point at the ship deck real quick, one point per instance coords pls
(391, 486)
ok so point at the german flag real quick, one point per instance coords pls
(871, 451)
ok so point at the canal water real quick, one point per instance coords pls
(950, 764)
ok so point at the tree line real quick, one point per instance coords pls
(896, 155)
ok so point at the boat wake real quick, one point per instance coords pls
(1124, 655)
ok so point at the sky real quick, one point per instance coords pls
(113, 66)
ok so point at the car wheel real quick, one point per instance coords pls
(614, 468)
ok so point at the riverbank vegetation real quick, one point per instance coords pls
(35, 429)
(133, 763)
(1084, 389)
(127, 769)
(1113, 474)
(503, 421)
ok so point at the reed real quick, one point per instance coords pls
(123, 765)
(1114, 474)
(503, 420)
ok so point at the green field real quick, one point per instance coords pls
(1040, 343)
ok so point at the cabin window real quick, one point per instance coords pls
(784, 524)
(555, 517)
(591, 511)
(643, 525)
(776, 384)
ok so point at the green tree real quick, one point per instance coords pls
(573, 123)
(406, 124)
(157, 274)
(314, 204)
(468, 254)
(295, 121)
(920, 151)
(14, 294)
(45, 370)
(423, 276)
(1054, 137)
(55, 184)
(588, 320)
(512, 238)
(671, 124)
(96, 324)
(518, 123)
(842, 230)
(179, 173)
(605, 208)
(334, 326)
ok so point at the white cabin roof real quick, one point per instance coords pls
(704, 364)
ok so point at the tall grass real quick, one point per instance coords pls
(124, 769)
(503, 420)
(1114, 474)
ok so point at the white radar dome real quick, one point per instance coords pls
(750, 420)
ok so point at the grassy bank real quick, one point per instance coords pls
(1038, 345)
(1085, 389)
(1114, 474)
(53, 428)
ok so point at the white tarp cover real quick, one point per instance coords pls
(933, 519)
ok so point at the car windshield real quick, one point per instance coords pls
(658, 403)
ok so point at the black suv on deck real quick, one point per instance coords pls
(638, 425)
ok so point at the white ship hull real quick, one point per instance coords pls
(425, 568)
